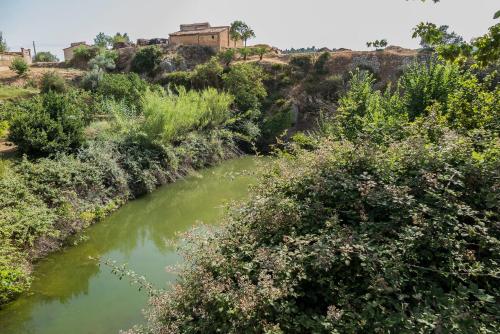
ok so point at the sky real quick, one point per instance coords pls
(54, 24)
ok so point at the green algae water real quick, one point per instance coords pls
(71, 293)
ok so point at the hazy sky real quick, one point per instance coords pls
(53, 24)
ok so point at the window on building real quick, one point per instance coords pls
(213, 37)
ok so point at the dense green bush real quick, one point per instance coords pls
(207, 75)
(175, 79)
(146, 60)
(168, 118)
(45, 56)
(128, 87)
(48, 124)
(20, 66)
(352, 238)
(245, 82)
(302, 62)
(82, 55)
(52, 82)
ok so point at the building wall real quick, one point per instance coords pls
(6, 58)
(219, 40)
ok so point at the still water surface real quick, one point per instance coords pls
(71, 293)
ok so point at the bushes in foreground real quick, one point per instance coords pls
(353, 238)
(386, 221)
(48, 124)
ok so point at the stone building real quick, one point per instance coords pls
(6, 58)
(69, 51)
(205, 35)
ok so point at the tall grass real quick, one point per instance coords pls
(168, 117)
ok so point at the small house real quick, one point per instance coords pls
(205, 35)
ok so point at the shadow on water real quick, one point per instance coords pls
(71, 293)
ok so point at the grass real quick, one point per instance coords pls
(12, 92)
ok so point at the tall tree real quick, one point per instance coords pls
(241, 30)
(102, 40)
(3, 44)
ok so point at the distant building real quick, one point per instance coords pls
(206, 35)
(6, 58)
(69, 51)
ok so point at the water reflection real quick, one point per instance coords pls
(72, 294)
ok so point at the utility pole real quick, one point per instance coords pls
(34, 49)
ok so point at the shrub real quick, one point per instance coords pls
(48, 124)
(348, 239)
(227, 56)
(207, 75)
(83, 54)
(179, 78)
(146, 60)
(245, 83)
(106, 61)
(45, 56)
(167, 118)
(19, 65)
(4, 127)
(426, 83)
(52, 82)
(320, 63)
(128, 87)
(302, 62)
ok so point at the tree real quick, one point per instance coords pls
(378, 44)
(240, 30)
(245, 52)
(45, 56)
(3, 44)
(261, 51)
(118, 38)
(244, 81)
(227, 56)
(102, 40)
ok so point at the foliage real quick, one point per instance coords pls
(241, 31)
(147, 60)
(104, 61)
(244, 82)
(227, 56)
(127, 87)
(20, 66)
(83, 54)
(451, 47)
(102, 40)
(351, 238)
(302, 62)
(52, 82)
(48, 124)
(207, 75)
(245, 52)
(261, 51)
(169, 118)
(378, 44)
(119, 38)
(320, 63)
(3, 44)
(45, 56)
(4, 128)
(12, 92)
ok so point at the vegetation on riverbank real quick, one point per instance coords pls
(87, 152)
(383, 220)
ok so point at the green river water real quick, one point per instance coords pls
(71, 293)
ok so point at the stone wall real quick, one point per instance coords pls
(6, 58)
